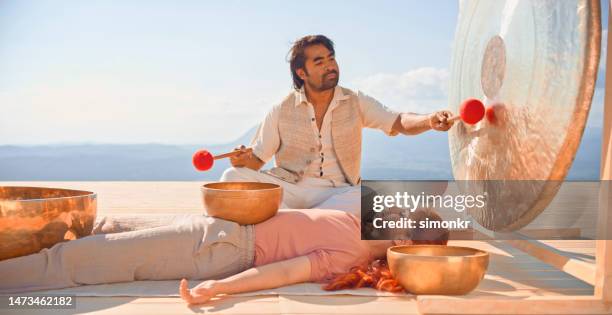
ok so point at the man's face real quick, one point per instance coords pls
(320, 70)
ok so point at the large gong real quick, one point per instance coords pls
(536, 63)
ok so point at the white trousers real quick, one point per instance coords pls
(308, 193)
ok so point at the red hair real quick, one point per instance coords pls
(375, 275)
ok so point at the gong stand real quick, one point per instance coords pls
(465, 159)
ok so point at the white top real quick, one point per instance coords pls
(373, 115)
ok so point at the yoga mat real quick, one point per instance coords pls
(170, 289)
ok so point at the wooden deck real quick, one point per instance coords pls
(512, 274)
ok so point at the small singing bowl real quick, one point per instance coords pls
(33, 218)
(242, 202)
(437, 269)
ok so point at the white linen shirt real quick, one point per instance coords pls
(373, 115)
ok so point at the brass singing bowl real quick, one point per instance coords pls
(33, 218)
(437, 269)
(242, 202)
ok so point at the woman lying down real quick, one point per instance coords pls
(292, 247)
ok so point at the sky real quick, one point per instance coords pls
(193, 72)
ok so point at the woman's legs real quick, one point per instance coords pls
(196, 247)
(126, 223)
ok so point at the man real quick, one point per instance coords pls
(314, 134)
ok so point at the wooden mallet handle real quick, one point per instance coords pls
(230, 154)
(454, 118)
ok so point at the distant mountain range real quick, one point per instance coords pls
(424, 156)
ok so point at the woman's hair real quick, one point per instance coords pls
(377, 274)
(297, 57)
(427, 236)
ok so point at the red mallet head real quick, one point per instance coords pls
(471, 111)
(203, 160)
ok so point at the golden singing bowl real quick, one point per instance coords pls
(33, 218)
(437, 269)
(242, 202)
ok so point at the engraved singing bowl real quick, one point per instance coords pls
(33, 218)
(437, 269)
(242, 202)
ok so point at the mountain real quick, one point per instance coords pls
(99, 162)
(425, 156)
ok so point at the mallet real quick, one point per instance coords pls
(471, 111)
(204, 160)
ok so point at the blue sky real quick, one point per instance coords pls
(201, 72)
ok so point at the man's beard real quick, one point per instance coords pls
(327, 84)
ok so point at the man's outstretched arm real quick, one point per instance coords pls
(414, 124)
(376, 115)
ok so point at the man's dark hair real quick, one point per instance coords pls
(297, 58)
